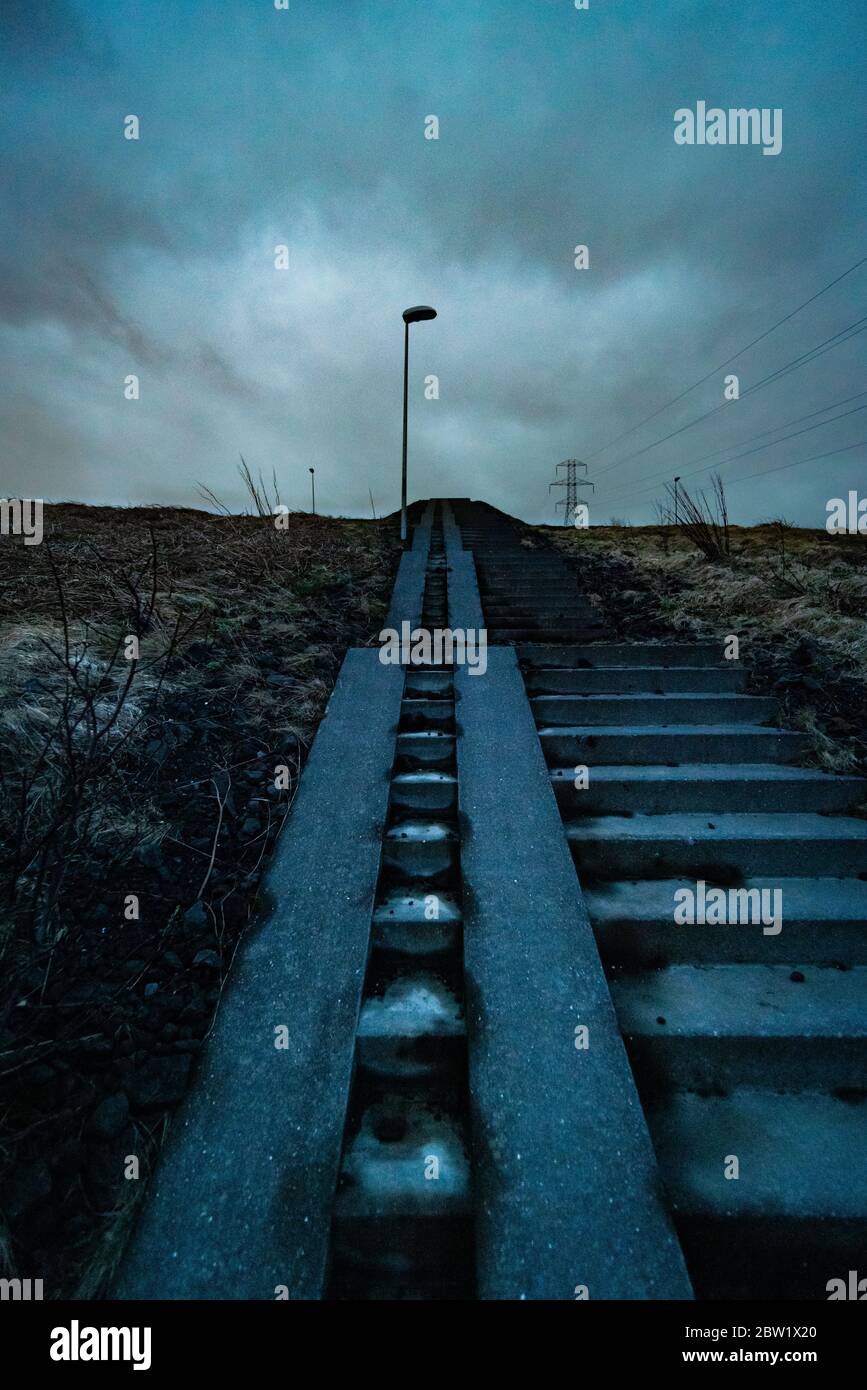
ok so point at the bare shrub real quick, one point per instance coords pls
(704, 521)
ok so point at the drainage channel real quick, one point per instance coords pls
(402, 1225)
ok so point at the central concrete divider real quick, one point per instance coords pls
(465, 605)
(240, 1205)
(407, 595)
(567, 1194)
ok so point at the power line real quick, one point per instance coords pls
(795, 463)
(724, 448)
(836, 340)
(731, 359)
(798, 462)
(759, 447)
(778, 468)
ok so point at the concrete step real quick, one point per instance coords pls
(415, 1003)
(504, 635)
(785, 1027)
(416, 850)
(797, 1213)
(664, 847)
(496, 553)
(657, 790)
(504, 609)
(509, 581)
(428, 684)
(414, 793)
(723, 848)
(426, 714)
(539, 587)
(538, 608)
(552, 581)
(442, 668)
(505, 592)
(541, 619)
(637, 680)
(824, 922)
(561, 620)
(522, 569)
(658, 710)
(501, 587)
(414, 1030)
(556, 598)
(425, 749)
(689, 743)
(519, 581)
(384, 1165)
(404, 921)
(627, 654)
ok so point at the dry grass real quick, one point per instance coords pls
(779, 588)
(189, 585)
(152, 776)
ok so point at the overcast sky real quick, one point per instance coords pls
(306, 127)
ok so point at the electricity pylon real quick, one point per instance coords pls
(571, 483)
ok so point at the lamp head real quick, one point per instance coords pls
(421, 311)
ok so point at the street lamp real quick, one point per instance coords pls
(676, 481)
(421, 311)
(312, 472)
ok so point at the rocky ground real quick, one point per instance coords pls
(141, 799)
(797, 600)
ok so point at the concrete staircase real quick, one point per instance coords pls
(525, 591)
(428, 1126)
(746, 1044)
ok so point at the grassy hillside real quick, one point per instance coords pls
(797, 599)
(140, 799)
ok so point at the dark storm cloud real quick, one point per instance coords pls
(307, 128)
(33, 32)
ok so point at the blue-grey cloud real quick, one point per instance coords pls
(261, 127)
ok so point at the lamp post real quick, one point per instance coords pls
(312, 472)
(676, 481)
(421, 311)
